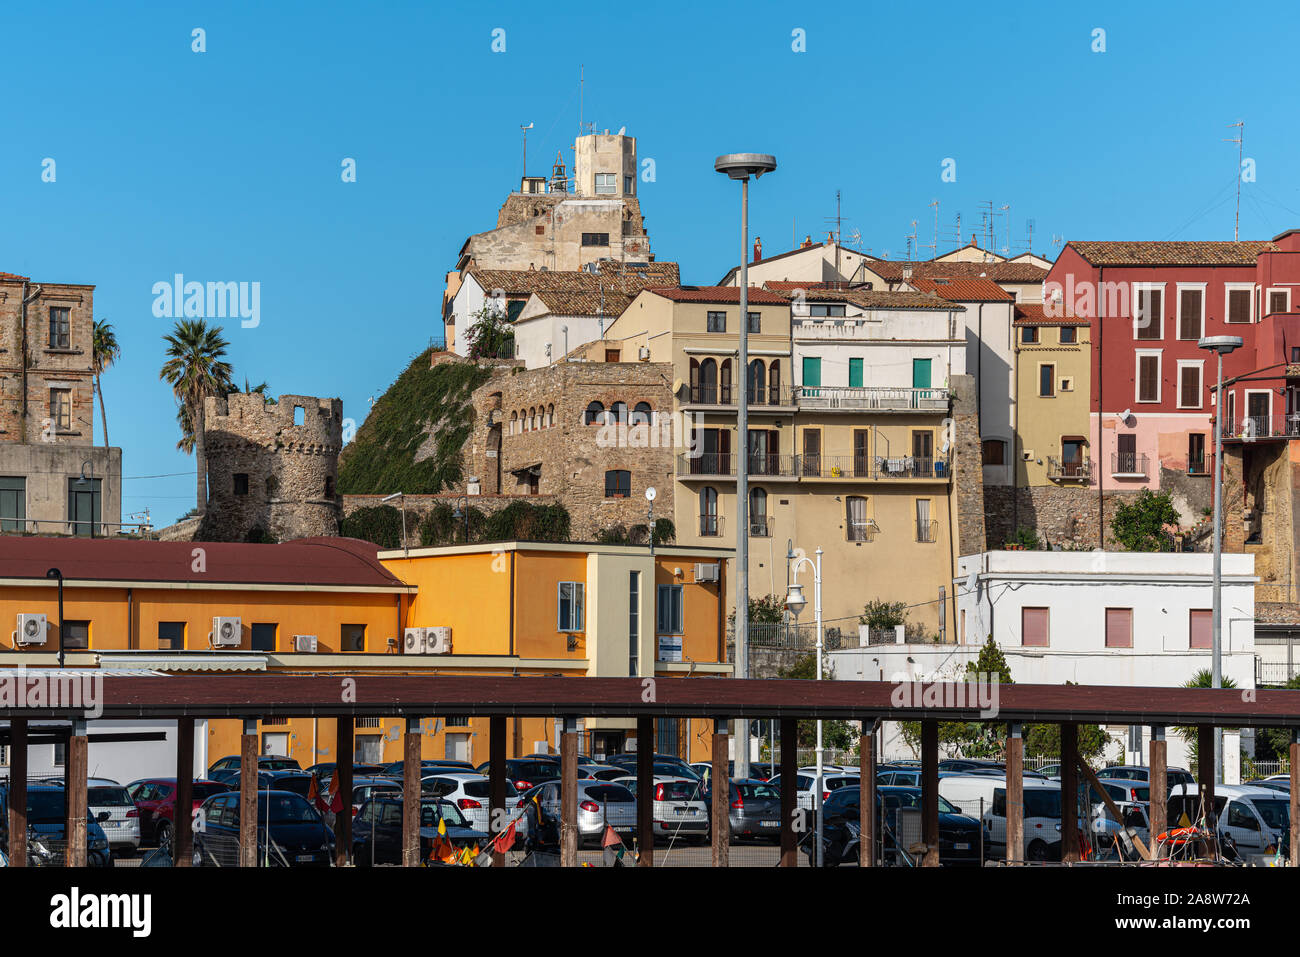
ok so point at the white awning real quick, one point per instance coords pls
(170, 663)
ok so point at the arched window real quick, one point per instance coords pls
(757, 388)
(774, 383)
(514, 422)
(758, 512)
(695, 380)
(595, 414)
(618, 483)
(724, 383)
(618, 412)
(641, 414)
(708, 389)
(550, 416)
(708, 511)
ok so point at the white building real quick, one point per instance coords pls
(1132, 619)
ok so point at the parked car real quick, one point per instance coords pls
(122, 825)
(899, 777)
(1051, 772)
(290, 832)
(222, 768)
(396, 769)
(628, 760)
(604, 772)
(324, 772)
(155, 799)
(1257, 819)
(1276, 782)
(363, 789)
(755, 812)
(299, 782)
(681, 808)
(1141, 772)
(831, 782)
(471, 793)
(1120, 791)
(47, 820)
(959, 834)
(377, 830)
(966, 765)
(599, 803)
(1042, 812)
(526, 773)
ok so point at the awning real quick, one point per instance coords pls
(166, 663)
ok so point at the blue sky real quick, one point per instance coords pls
(225, 165)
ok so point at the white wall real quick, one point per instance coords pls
(532, 336)
(468, 300)
(126, 761)
(991, 360)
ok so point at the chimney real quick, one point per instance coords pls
(972, 241)
(807, 241)
(758, 248)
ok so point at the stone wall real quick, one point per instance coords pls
(1064, 515)
(967, 466)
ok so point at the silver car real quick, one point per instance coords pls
(122, 826)
(471, 793)
(599, 803)
(680, 810)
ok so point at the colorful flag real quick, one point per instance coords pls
(442, 827)
(505, 840)
(611, 837)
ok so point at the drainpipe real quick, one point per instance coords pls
(27, 297)
(1016, 455)
(1101, 378)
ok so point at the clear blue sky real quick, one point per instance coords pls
(225, 165)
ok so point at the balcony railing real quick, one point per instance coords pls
(760, 526)
(706, 463)
(1265, 427)
(856, 398)
(926, 530)
(710, 525)
(849, 467)
(763, 463)
(1197, 465)
(1076, 470)
(1128, 463)
(727, 395)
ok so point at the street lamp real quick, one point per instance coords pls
(56, 573)
(459, 512)
(1220, 346)
(742, 166)
(388, 498)
(795, 601)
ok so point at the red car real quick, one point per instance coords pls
(155, 799)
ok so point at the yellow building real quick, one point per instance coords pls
(1053, 368)
(339, 606)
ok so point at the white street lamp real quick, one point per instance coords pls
(795, 601)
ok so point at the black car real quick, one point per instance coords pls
(525, 773)
(959, 835)
(223, 768)
(967, 765)
(324, 772)
(299, 782)
(290, 832)
(377, 829)
(47, 821)
(396, 769)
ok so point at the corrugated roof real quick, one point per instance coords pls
(963, 290)
(1178, 253)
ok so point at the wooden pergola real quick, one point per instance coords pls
(346, 698)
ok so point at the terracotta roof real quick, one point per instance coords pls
(585, 302)
(12, 277)
(861, 296)
(1142, 253)
(309, 561)
(719, 294)
(963, 290)
(668, 273)
(1031, 314)
(522, 282)
(892, 270)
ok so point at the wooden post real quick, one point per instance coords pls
(248, 794)
(569, 793)
(18, 792)
(1111, 807)
(344, 729)
(499, 813)
(930, 791)
(1205, 776)
(75, 789)
(1295, 797)
(645, 783)
(789, 792)
(1015, 795)
(1069, 792)
(1158, 785)
(721, 783)
(183, 818)
(411, 768)
(867, 794)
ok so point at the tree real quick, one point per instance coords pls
(1191, 734)
(490, 335)
(1140, 525)
(836, 734)
(768, 610)
(195, 369)
(879, 614)
(104, 351)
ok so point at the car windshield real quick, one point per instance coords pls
(945, 807)
(45, 807)
(1042, 802)
(1276, 814)
(204, 791)
(613, 793)
(285, 809)
(758, 792)
(676, 791)
(277, 764)
(431, 811)
(114, 796)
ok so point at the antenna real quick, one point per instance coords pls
(1240, 127)
(581, 83)
(838, 221)
(1006, 236)
(934, 246)
(911, 240)
(525, 130)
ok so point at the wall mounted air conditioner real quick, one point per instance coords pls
(304, 644)
(706, 572)
(31, 630)
(226, 632)
(415, 641)
(643, 353)
(438, 640)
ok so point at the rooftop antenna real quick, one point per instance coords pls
(934, 246)
(1006, 234)
(838, 221)
(1240, 127)
(1029, 235)
(525, 130)
(581, 84)
(911, 240)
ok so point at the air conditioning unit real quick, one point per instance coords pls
(416, 641)
(304, 644)
(31, 630)
(706, 572)
(643, 353)
(226, 632)
(438, 640)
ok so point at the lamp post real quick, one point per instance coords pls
(460, 512)
(795, 601)
(1220, 346)
(399, 495)
(742, 166)
(56, 573)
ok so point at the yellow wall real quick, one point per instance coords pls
(1043, 420)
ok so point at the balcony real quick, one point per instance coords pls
(1197, 465)
(872, 398)
(1076, 470)
(719, 464)
(843, 467)
(1128, 465)
(727, 396)
(760, 526)
(710, 526)
(1264, 427)
(927, 531)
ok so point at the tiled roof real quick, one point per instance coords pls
(892, 270)
(1199, 253)
(11, 277)
(861, 296)
(963, 290)
(523, 282)
(585, 302)
(340, 562)
(666, 273)
(1032, 314)
(719, 294)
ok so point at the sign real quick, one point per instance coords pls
(670, 648)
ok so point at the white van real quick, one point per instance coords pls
(1042, 813)
(1257, 819)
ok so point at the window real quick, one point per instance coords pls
(633, 623)
(924, 526)
(667, 736)
(572, 607)
(618, 483)
(76, 634)
(629, 183)
(758, 513)
(1279, 300)
(1189, 385)
(1126, 460)
(1200, 628)
(171, 636)
(13, 503)
(855, 373)
(352, 637)
(1239, 303)
(812, 372)
(1148, 377)
(668, 610)
(856, 524)
(1069, 335)
(1148, 317)
(754, 322)
(757, 390)
(715, 321)
(595, 414)
(1029, 335)
(241, 483)
(60, 327)
(812, 451)
(1191, 312)
(708, 511)
(613, 355)
(61, 409)
(1047, 380)
(1196, 453)
(994, 451)
(606, 184)
(1033, 627)
(1119, 627)
(641, 414)
(84, 503)
(830, 310)
(264, 637)
(595, 239)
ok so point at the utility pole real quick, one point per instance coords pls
(525, 130)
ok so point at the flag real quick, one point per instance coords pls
(505, 840)
(611, 837)
(442, 827)
(335, 798)
(313, 794)
(467, 856)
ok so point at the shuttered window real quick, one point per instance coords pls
(1200, 628)
(1033, 627)
(1148, 379)
(1190, 312)
(1148, 318)
(1119, 627)
(1239, 305)
(1189, 387)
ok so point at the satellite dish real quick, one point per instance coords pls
(971, 580)
(677, 386)
(650, 494)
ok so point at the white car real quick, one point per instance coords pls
(679, 806)
(471, 794)
(1257, 819)
(122, 828)
(805, 781)
(600, 804)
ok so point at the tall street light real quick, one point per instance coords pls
(392, 498)
(795, 601)
(57, 574)
(1220, 346)
(742, 166)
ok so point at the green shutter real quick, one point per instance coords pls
(855, 373)
(920, 373)
(812, 371)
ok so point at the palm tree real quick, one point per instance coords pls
(104, 352)
(195, 369)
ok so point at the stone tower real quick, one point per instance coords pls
(272, 467)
